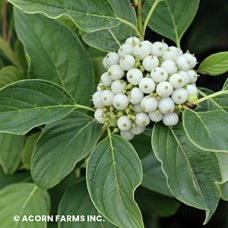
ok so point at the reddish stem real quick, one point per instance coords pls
(4, 20)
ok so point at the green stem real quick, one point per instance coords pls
(85, 107)
(149, 16)
(130, 25)
(139, 18)
(211, 96)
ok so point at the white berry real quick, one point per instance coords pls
(97, 100)
(166, 105)
(180, 96)
(158, 48)
(120, 101)
(132, 41)
(127, 62)
(107, 97)
(158, 74)
(112, 58)
(192, 89)
(141, 50)
(147, 85)
(170, 119)
(124, 123)
(191, 59)
(98, 115)
(135, 96)
(149, 104)
(115, 72)
(118, 86)
(105, 79)
(125, 49)
(164, 89)
(178, 81)
(192, 75)
(138, 130)
(134, 76)
(156, 116)
(169, 66)
(182, 63)
(169, 55)
(150, 62)
(142, 119)
(128, 135)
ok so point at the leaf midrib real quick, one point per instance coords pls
(25, 203)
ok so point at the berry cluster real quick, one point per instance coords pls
(144, 82)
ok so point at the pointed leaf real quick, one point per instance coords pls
(88, 15)
(114, 172)
(10, 152)
(63, 61)
(29, 103)
(153, 177)
(61, 145)
(223, 163)
(152, 203)
(82, 206)
(28, 150)
(215, 64)
(219, 102)
(117, 35)
(225, 86)
(172, 18)
(9, 74)
(211, 128)
(5, 179)
(9, 53)
(23, 200)
(187, 168)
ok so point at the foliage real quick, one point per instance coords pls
(51, 61)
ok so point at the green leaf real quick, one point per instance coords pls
(225, 86)
(142, 143)
(117, 35)
(10, 152)
(187, 168)
(23, 200)
(114, 172)
(28, 150)
(219, 102)
(97, 58)
(61, 145)
(22, 176)
(88, 15)
(5, 48)
(63, 61)
(172, 18)
(211, 128)
(153, 177)
(10, 74)
(81, 206)
(224, 191)
(223, 184)
(154, 204)
(29, 103)
(215, 64)
(21, 55)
